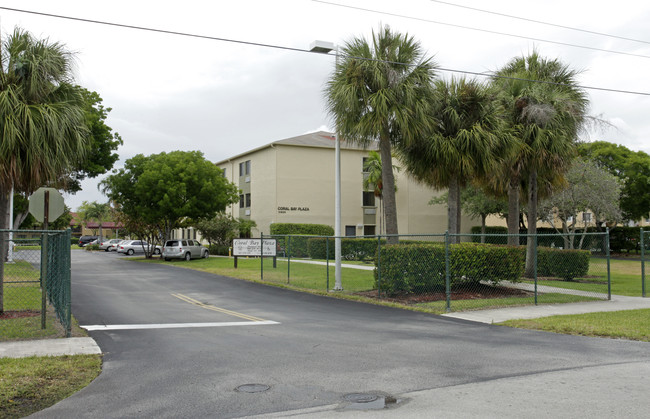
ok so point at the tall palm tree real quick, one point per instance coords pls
(42, 127)
(95, 211)
(462, 146)
(380, 91)
(372, 179)
(545, 109)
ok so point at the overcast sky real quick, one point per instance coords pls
(171, 92)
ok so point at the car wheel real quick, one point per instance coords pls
(130, 252)
(156, 251)
(188, 256)
(167, 259)
(206, 254)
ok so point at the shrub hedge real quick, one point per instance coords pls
(296, 246)
(351, 249)
(421, 267)
(418, 268)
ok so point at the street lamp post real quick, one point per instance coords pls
(323, 47)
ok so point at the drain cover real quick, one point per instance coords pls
(252, 388)
(360, 397)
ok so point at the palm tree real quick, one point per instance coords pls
(42, 126)
(463, 145)
(545, 109)
(380, 91)
(94, 211)
(372, 180)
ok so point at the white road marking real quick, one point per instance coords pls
(173, 325)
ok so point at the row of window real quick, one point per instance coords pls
(245, 168)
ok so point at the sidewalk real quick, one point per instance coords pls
(49, 347)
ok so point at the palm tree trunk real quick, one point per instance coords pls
(453, 200)
(531, 247)
(388, 180)
(513, 212)
(483, 217)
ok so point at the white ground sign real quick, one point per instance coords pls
(252, 247)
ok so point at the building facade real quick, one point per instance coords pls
(292, 181)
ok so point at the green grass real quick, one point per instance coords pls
(628, 324)
(28, 385)
(625, 274)
(301, 275)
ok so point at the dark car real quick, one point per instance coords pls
(84, 240)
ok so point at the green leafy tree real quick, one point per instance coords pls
(589, 189)
(103, 142)
(631, 167)
(168, 190)
(545, 109)
(462, 146)
(94, 211)
(220, 229)
(380, 92)
(245, 227)
(41, 119)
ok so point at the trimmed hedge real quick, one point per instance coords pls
(306, 229)
(421, 267)
(565, 264)
(220, 250)
(351, 249)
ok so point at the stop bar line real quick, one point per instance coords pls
(91, 328)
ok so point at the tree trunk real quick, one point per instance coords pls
(388, 180)
(453, 200)
(531, 246)
(513, 212)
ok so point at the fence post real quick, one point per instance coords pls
(609, 275)
(535, 267)
(327, 262)
(288, 250)
(262, 256)
(65, 247)
(447, 272)
(44, 263)
(642, 264)
(379, 267)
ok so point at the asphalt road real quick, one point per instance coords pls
(178, 343)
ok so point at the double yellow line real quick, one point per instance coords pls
(214, 308)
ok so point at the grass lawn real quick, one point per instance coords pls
(626, 278)
(628, 324)
(28, 385)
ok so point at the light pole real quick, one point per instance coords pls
(323, 47)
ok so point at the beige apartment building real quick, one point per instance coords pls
(292, 181)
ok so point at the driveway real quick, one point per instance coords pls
(179, 343)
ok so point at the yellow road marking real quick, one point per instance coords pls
(218, 309)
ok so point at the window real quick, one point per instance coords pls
(241, 201)
(586, 217)
(248, 200)
(350, 231)
(368, 230)
(364, 161)
(569, 219)
(248, 167)
(224, 172)
(241, 169)
(368, 199)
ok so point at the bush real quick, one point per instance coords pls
(408, 268)
(351, 249)
(221, 250)
(303, 229)
(91, 247)
(624, 239)
(565, 264)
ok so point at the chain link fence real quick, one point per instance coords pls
(449, 272)
(34, 284)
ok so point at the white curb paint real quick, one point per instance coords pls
(173, 325)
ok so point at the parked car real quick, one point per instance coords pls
(86, 240)
(114, 246)
(184, 249)
(130, 247)
(106, 244)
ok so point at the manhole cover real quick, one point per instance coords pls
(252, 388)
(360, 397)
